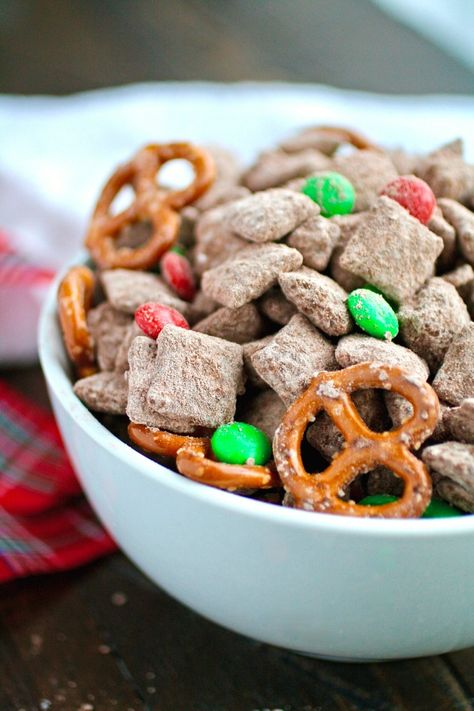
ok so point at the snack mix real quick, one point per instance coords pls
(299, 332)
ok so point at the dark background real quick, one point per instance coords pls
(62, 46)
(64, 644)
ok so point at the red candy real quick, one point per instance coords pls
(152, 317)
(414, 195)
(177, 273)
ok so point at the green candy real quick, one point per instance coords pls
(377, 500)
(178, 249)
(240, 443)
(440, 509)
(332, 192)
(373, 288)
(372, 313)
(435, 509)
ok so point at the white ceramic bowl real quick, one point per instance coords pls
(324, 585)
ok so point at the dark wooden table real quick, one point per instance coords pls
(105, 638)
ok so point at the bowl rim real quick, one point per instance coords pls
(50, 346)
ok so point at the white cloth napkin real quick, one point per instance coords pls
(55, 153)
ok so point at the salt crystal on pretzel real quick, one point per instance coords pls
(249, 274)
(319, 298)
(292, 357)
(238, 325)
(392, 250)
(364, 449)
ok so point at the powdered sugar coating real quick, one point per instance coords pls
(109, 328)
(293, 356)
(429, 322)
(459, 421)
(126, 289)
(274, 168)
(239, 325)
(453, 461)
(368, 171)
(276, 307)
(196, 378)
(392, 250)
(103, 392)
(268, 216)
(315, 238)
(319, 298)
(248, 350)
(265, 410)
(462, 220)
(249, 274)
(454, 381)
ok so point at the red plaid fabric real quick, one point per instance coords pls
(45, 523)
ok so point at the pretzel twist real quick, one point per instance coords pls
(152, 203)
(192, 460)
(364, 449)
(346, 135)
(74, 301)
